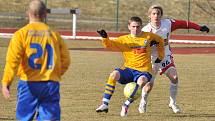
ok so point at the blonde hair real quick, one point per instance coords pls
(155, 7)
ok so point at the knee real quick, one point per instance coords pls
(172, 75)
(142, 81)
(115, 75)
(174, 79)
(148, 87)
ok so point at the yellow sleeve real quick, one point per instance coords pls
(114, 45)
(65, 56)
(160, 46)
(13, 58)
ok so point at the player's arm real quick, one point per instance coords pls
(114, 45)
(65, 56)
(160, 46)
(14, 54)
(181, 24)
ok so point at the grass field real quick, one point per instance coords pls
(97, 14)
(82, 88)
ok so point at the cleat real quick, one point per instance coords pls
(102, 108)
(174, 108)
(142, 107)
(124, 111)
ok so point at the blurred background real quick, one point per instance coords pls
(111, 15)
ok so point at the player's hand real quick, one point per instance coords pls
(157, 60)
(152, 43)
(6, 92)
(204, 29)
(102, 33)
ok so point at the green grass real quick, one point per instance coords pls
(83, 85)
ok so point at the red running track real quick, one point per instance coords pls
(178, 50)
(194, 50)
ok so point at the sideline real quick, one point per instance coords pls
(204, 40)
(180, 39)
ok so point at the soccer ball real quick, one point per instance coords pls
(129, 89)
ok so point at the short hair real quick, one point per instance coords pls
(37, 7)
(155, 7)
(135, 19)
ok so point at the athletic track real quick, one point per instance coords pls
(176, 50)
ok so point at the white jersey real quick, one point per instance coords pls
(164, 31)
(167, 26)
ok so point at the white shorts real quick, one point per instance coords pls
(164, 65)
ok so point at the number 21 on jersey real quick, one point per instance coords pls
(39, 54)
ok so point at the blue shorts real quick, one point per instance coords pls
(41, 98)
(128, 75)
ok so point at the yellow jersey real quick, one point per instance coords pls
(36, 53)
(136, 50)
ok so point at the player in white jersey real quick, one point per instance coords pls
(164, 27)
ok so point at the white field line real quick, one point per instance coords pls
(9, 35)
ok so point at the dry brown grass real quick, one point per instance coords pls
(102, 14)
(83, 85)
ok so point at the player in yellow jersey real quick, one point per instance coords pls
(39, 56)
(136, 50)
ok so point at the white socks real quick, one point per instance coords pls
(144, 96)
(173, 92)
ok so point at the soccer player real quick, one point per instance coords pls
(39, 56)
(136, 50)
(164, 27)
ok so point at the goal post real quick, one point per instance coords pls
(74, 13)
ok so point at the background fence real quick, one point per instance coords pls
(111, 15)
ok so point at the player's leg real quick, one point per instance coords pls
(168, 68)
(49, 102)
(26, 101)
(171, 73)
(110, 88)
(129, 101)
(144, 82)
(126, 76)
(147, 88)
(125, 107)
